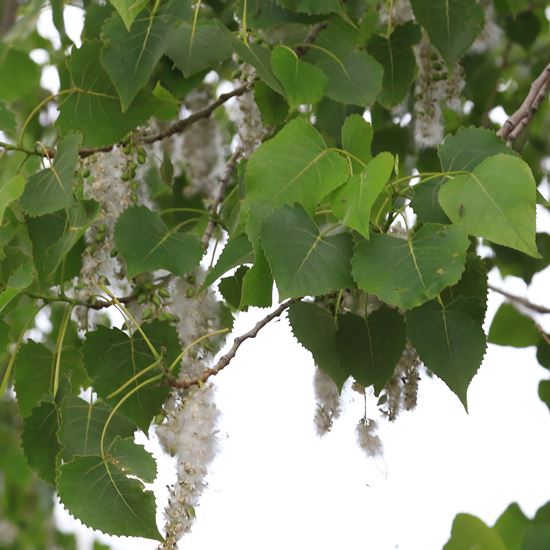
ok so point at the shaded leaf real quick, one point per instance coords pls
(452, 25)
(20, 279)
(304, 261)
(237, 251)
(39, 440)
(52, 189)
(10, 191)
(395, 54)
(94, 107)
(194, 48)
(113, 503)
(129, 57)
(7, 119)
(128, 10)
(311, 6)
(82, 424)
(512, 328)
(133, 459)
(146, 244)
(406, 273)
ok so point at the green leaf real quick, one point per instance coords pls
(129, 57)
(302, 81)
(511, 527)
(367, 349)
(260, 58)
(39, 440)
(543, 353)
(231, 288)
(512, 328)
(469, 147)
(450, 340)
(356, 140)
(257, 283)
(24, 74)
(113, 503)
(33, 375)
(425, 202)
(452, 25)
(10, 191)
(93, 107)
(315, 328)
(134, 459)
(469, 532)
(294, 166)
(544, 391)
(112, 358)
(21, 278)
(496, 201)
(312, 7)
(304, 261)
(146, 244)
(52, 189)
(237, 251)
(128, 10)
(371, 347)
(82, 424)
(273, 107)
(352, 203)
(408, 272)
(53, 236)
(395, 54)
(7, 119)
(355, 79)
(194, 48)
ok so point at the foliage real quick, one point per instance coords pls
(309, 137)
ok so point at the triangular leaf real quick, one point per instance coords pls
(10, 191)
(129, 57)
(113, 503)
(146, 244)
(52, 189)
(302, 81)
(128, 10)
(237, 251)
(452, 25)
(356, 140)
(512, 328)
(395, 54)
(314, 264)
(496, 201)
(194, 48)
(294, 166)
(408, 272)
(93, 106)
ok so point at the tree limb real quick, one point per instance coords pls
(521, 118)
(520, 300)
(228, 357)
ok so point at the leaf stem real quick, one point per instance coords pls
(59, 348)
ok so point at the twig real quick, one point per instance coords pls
(220, 194)
(520, 300)
(228, 357)
(521, 118)
(183, 124)
(310, 38)
(176, 128)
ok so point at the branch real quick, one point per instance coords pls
(218, 199)
(521, 301)
(521, 118)
(176, 128)
(228, 357)
(310, 38)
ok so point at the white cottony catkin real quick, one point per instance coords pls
(401, 12)
(435, 85)
(328, 401)
(193, 435)
(367, 438)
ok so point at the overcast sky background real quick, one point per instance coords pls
(276, 484)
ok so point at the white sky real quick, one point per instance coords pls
(275, 484)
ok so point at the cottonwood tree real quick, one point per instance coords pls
(345, 151)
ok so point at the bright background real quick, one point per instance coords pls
(276, 484)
